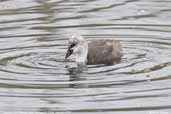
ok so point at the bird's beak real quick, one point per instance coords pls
(68, 53)
(70, 50)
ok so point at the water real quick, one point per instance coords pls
(33, 42)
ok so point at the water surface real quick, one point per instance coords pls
(33, 42)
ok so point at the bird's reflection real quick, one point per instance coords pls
(77, 74)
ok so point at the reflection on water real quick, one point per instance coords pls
(76, 74)
(35, 77)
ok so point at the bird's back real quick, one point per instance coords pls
(104, 52)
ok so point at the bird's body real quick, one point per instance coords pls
(104, 52)
(95, 52)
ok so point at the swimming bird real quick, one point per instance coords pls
(103, 51)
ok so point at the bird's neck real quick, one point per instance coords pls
(81, 57)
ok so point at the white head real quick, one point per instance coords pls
(78, 46)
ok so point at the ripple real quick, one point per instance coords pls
(33, 41)
(36, 68)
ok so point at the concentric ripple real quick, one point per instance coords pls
(35, 77)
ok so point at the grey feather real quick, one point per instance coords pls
(104, 52)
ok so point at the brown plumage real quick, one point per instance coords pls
(104, 52)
